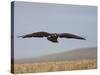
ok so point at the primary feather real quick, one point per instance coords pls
(70, 36)
(36, 34)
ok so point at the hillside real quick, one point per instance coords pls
(77, 54)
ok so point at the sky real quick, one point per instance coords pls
(58, 18)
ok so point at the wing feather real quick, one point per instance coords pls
(68, 35)
(36, 34)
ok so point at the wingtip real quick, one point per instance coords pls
(19, 36)
(83, 38)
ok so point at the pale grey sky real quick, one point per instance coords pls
(33, 17)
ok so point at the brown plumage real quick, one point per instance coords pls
(52, 36)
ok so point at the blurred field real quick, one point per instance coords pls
(54, 66)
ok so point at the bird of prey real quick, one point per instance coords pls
(53, 37)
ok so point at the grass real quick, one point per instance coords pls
(55, 66)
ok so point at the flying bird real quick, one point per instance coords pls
(53, 37)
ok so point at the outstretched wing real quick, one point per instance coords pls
(68, 35)
(36, 34)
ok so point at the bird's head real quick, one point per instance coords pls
(55, 35)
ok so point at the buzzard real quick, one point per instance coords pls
(53, 37)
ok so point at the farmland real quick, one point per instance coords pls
(55, 66)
